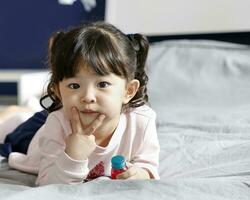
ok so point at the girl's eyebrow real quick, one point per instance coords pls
(78, 76)
(73, 77)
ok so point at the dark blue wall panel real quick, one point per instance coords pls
(25, 27)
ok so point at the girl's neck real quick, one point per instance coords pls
(105, 133)
(103, 142)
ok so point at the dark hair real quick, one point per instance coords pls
(103, 48)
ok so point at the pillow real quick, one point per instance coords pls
(200, 91)
(200, 75)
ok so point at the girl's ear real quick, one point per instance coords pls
(132, 88)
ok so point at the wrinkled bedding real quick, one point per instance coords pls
(212, 189)
(201, 93)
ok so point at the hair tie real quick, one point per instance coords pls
(134, 42)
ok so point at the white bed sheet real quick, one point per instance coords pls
(172, 189)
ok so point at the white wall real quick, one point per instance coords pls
(155, 17)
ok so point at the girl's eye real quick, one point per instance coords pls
(74, 86)
(103, 84)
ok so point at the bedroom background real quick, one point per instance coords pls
(198, 67)
(27, 25)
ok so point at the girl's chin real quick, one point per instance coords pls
(88, 119)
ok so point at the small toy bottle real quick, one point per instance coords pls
(118, 165)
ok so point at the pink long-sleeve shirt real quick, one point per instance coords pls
(135, 138)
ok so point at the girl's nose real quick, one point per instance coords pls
(88, 97)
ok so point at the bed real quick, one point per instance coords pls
(200, 89)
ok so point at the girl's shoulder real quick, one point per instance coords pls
(58, 117)
(140, 121)
(144, 110)
(58, 114)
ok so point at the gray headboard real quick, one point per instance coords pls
(234, 37)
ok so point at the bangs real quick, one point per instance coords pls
(101, 54)
(94, 49)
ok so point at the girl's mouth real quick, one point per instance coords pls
(87, 111)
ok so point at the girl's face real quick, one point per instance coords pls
(93, 94)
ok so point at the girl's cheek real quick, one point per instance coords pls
(68, 103)
(70, 100)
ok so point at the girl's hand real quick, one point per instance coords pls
(134, 172)
(81, 143)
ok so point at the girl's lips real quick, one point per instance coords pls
(88, 112)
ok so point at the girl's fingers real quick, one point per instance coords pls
(94, 125)
(130, 173)
(75, 121)
(76, 124)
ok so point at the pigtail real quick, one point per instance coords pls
(140, 45)
(50, 101)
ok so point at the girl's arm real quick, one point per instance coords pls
(145, 161)
(55, 165)
(65, 156)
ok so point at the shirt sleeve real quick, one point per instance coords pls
(147, 155)
(55, 165)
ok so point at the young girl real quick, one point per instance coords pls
(98, 88)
